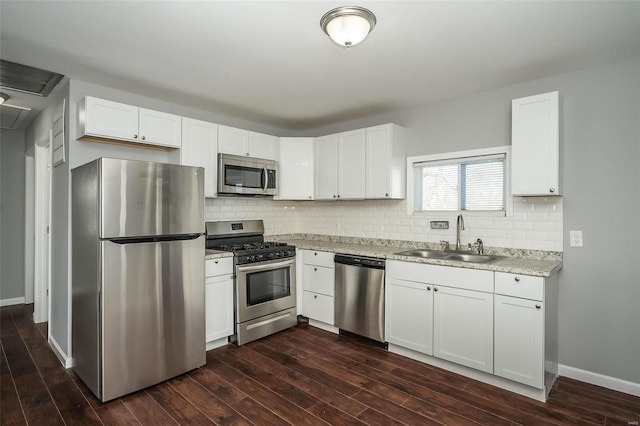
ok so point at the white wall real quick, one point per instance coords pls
(12, 202)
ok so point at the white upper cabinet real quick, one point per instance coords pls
(296, 169)
(351, 165)
(535, 150)
(247, 144)
(102, 119)
(326, 167)
(386, 162)
(340, 166)
(200, 149)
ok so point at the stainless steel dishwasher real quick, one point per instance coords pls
(359, 295)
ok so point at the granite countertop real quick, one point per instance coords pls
(525, 262)
(215, 254)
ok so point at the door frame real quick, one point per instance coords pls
(29, 225)
(42, 230)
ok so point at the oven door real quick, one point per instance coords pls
(265, 288)
(242, 175)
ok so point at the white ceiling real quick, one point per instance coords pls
(271, 63)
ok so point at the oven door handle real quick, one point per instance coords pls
(266, 265)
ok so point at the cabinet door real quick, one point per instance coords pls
(233, 141)
(409, 315)
(351, 168)
(318, 307)
(463, 327)
(326, 167)
(296, 169)
(519, 340)
(111, 120)
(219, 307)
(263, 146)
(160, 128)
(535, 149)
(200, 149)
(378, 164)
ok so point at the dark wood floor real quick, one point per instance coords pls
(300, 376)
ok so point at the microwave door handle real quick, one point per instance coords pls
(266, 179)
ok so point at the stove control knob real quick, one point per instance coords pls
(251, 258)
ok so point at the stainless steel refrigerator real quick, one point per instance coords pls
(138, 273)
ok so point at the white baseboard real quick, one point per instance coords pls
(599, 380)
(14, 301)
(214, 344)
(66, 361)
(324, 326)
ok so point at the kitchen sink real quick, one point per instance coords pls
(432, 254)
(451, 255)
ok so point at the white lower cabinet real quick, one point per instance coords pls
(409, 315)
(318, 278)
(519, 340)
(218, 298)
(463, 327)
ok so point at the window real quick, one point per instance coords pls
(470, 183)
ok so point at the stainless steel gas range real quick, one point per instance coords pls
(265, 278)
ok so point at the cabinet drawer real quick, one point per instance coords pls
(318, 279)
(318, 258)
(469, 279)
(524, 286)
(318, 306)
(220, 266)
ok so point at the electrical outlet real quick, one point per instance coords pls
(575, 238)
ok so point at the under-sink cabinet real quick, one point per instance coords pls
(502, 325)
(318, 278)
(218, 286)
(104, 120)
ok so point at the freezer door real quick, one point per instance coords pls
(139, 198)
(152, 313)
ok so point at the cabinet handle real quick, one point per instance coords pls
(517, 279)
(435, 289)
(143, 138)
(428, 288)
(552, 190)
(247, 154)
(386, 194)
(309, 196)
(315, 254)
(538, 306)
(338, 195)
(315, 296)
(135, 136)
(315, 269)
(216, 262)
(334, 196)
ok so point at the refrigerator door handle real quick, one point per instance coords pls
(133, 240)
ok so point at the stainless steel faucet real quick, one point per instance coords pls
(459, 227)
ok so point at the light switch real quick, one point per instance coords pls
(575, 238)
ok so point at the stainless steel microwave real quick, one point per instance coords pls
(239, 175)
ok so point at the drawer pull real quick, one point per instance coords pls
(215, 261)
(435, 289)
(315, 296)
(315, 269)
(315, 254)
(428, 288)
(517, 279)
(538, 306)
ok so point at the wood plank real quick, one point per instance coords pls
(332, 415)
(614, 398)
(312, 387)
(280, 406)
(235, 398)
(614, 415)
(376, 418)
(440, 406)
(147, 410)
(393, 410)
(116, 413)
(12, 413)
(205, 401)
(173, 402)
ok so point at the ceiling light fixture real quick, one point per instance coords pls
(3, 97)
(348, 25)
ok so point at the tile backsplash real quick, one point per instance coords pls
(536, 222)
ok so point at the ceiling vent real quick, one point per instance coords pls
(11, 117)
(25, 79)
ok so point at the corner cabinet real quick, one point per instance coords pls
(200, 149)
(535, 145)
(296, 169)
(340, 166)
(386, 162)
(218, 301)
(246, 143)
(104, 121)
